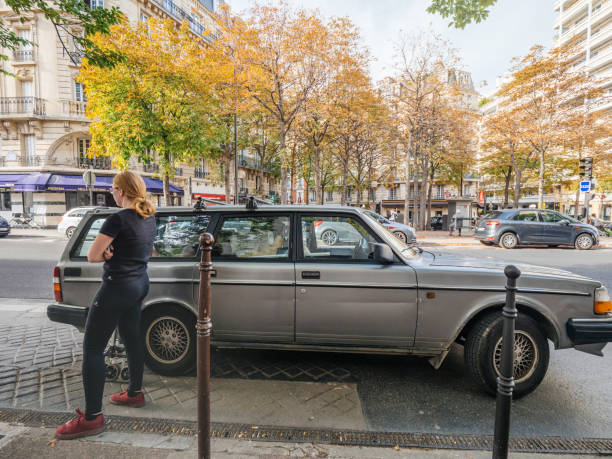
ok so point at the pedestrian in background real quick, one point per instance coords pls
(124, 244)
(595, 221)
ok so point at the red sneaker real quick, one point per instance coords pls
(122, 398)
(80, 427)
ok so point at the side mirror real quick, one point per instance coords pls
(564, 222)
(383, 254)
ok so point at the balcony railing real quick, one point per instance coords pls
(30, 161)
(22, 106)
(181, 14)
(150, 167)
(23, 55)
(97, 162)
(74, 108)
(200, 173)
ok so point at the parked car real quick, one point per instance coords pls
(401, 231)
(5, 228)
(514, 227)
(70, 220)
(436, 223)
(279, 284)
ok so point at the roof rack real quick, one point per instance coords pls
(251, 203)
(199, 205)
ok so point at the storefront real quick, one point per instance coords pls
(47, 196)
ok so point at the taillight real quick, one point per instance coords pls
(57, 286)
(602, 303)
(390, 227)
(493, 223)
(318, 222)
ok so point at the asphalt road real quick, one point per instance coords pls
(407, 394)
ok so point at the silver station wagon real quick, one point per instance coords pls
(279, 284)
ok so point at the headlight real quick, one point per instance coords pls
(602, 303)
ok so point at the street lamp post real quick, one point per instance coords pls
(204, 329)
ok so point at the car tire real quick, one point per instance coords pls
(508, 240)
(329, 237)
(482, 353)
(584, 241)
(70, 231)
(401, 236)
(169, 340)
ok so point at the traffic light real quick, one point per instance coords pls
(586, 167)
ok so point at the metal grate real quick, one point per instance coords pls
(557, 445)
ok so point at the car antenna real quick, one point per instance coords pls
(251, 203)
(199, 205)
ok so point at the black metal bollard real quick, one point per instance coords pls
(204, 329)
(505, 382)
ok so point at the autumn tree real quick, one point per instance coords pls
(157, 103)
(548, 92)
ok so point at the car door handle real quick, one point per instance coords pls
(311, 275)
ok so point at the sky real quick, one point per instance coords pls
(485, 49)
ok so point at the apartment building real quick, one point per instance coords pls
(44, 134)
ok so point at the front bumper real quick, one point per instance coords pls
(589, 331)
(67, 314)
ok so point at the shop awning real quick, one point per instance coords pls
(32, 182)
(156, 186)
(59, 182)
(7, 181)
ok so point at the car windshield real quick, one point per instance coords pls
(406, 250)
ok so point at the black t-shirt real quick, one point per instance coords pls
(132, 244)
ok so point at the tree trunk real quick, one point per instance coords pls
(167, 189)
(517, 187)
(541, 182)
(415, 188)
(507, 186)
(407, 191)
(424, 192)
(577, 203)
(283, 187)
(344, 186)
(429, 191)
(317, 178)
(227, 163)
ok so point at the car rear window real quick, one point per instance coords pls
(177, 236)
(491, 215)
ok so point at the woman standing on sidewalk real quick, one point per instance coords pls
(124, 244)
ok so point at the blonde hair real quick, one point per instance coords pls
(135, 190)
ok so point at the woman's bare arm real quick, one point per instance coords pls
(101, 249)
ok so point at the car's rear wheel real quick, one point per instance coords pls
(170, 340)
(508, 241)
(329, 237)
(401, 236)
(483, 348)
(70, 231)
(584, 241)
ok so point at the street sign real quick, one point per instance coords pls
(585, 186)
(89, 177)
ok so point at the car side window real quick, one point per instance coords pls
(82, 247)
(527, 216)
(551, 217)
(260, 237)
(336, 239)
(178, 236)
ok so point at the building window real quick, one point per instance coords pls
(27, 88)
(79, 92)
(5, 201)
(97, 162)
(201, 170)
(143, 17)
(94, 4)
(371, 194)
(349, 192)
(330, 196)
(392, 193)
(313, 195)
(29, 149)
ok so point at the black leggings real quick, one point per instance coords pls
(115, 304)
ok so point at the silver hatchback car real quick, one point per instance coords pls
(278, 283)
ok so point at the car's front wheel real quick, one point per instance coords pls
(508, 240)
(401, 236)
(483, 348)
(584, 241)
(170, 339)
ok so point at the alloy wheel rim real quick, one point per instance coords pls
(509, 240)
(401, 236)
(526, 356)
(167, 340)
(329, 237)
(584, 242)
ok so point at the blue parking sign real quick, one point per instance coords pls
(585, 186)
